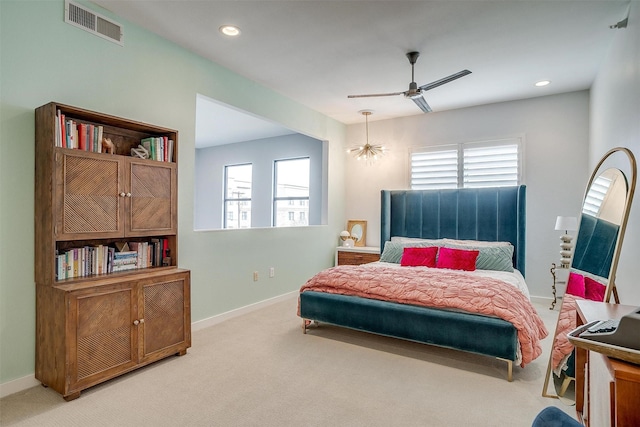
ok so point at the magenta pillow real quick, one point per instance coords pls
(457, 259)
(413, 257)
(594, 290)
(576, 285)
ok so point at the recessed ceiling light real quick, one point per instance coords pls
(542, 83)
(230, 30)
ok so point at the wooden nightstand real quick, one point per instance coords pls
(357, 255)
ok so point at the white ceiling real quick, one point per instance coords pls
(318, 52)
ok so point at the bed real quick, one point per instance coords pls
(463, 221)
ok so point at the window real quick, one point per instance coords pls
(291, 183)
(237, 196)
(212, 200)
(595, 195)
(467, 165)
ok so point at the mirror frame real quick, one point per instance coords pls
(611, 286)
(363, 227)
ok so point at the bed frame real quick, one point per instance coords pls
(490, 214)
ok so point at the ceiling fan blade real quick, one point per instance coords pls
(375, 94)
(447, 79)
(422, 103)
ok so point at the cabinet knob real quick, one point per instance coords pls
(141, 320)
(128, 194)
(136, 322)
(122, 194)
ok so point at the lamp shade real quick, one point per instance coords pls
(566, 223)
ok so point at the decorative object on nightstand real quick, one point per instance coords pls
(566, 223)
(347, 241)
(357, 229)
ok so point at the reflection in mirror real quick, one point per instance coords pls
(603, 219)
(356, 232)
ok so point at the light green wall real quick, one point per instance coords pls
(43, 59)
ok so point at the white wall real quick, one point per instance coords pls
(615, 122)
(556, 135)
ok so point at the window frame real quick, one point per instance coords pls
(290, 199)
(225, 197)
(460, 148)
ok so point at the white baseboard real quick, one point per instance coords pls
(20, 384)
(218, 318)
(17, 385)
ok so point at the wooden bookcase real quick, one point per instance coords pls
(94, 327)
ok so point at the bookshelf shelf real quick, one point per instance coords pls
(98, 212)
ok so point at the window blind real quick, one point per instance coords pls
(595, 195)
(468, 165)
(434, 169)
(495, 166)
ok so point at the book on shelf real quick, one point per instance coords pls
(77, 135)
(101, 259)
(160, 148)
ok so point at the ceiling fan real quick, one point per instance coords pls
(415, 92)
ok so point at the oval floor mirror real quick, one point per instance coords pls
(603, 220)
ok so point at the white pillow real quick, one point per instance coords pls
(401, 239)
(476, 243)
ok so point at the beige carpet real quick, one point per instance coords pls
(260, 370)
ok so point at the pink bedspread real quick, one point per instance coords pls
(439, 288)
(562, 348)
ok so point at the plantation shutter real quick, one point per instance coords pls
(434, 169)
(491, 166)
(495, 163)
(595, 195)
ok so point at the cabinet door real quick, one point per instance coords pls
(101, 334)
(88, 195)
(153, 200)
(166, 311)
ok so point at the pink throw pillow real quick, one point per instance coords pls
(413, 257)
(457, 259)
(594, 290)
(576, 285)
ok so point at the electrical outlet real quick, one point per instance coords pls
(255, 276)
(272, 272)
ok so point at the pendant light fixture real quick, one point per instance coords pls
(367, 152)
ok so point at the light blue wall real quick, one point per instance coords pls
(43, 59)
(210, 163)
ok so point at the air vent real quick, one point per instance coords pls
(94, 23)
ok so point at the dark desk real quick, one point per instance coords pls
(607, 390)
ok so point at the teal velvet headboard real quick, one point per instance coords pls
(491, 214)
(595, 245)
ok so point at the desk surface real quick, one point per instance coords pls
(626, 376)
(594, 310)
